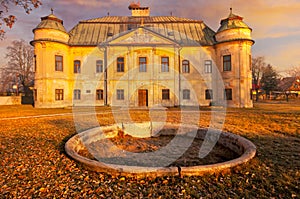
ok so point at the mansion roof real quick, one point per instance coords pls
(181, 30)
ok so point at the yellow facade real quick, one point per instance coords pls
(142, 66)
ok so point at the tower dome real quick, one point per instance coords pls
(51, 28)
(51, 22)
(233, 28)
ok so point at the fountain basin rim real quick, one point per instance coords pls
(249, 152)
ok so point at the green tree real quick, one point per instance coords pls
(7, 19)
(269, 79)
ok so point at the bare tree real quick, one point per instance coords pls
(294, 71)
(6, 82)
(19, 69)
(258, 65)
(8, 19)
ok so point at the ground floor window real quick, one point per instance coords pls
(228, 94)
(59, 94)
(120, 94)
(165, 94)
(186, 94)
(76, 94)
(99, 94)
(208, 94)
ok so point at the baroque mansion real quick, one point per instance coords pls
(142, 61)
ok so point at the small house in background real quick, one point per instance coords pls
(290, 86)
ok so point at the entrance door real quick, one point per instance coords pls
(143, 97)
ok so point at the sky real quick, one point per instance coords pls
(275, 24)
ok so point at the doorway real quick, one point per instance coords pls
(143, 97)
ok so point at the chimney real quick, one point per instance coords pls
(138, 11)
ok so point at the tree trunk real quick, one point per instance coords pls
(256, 90)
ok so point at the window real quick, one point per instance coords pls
(59, 94)
(208, 66)
(58, 63)
(120, 94)
(99, 66)
(185, 66)
(227, 63)
(99, 94)
(143, 64)
(228, 94)
(165, 94)
(165, 64)
(76, 94)
(186, 94)
(208, 94)
(120, 64)
(76, 66)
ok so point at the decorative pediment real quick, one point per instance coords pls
(141, 36)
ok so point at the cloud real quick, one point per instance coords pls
(272, 21)
(269, 18)
(281, 53)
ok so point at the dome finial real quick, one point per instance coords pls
(52, 11)
(230, 9)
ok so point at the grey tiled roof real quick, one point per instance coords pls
(286, 83)
(233, 21)
(181, 30)
(51, 22)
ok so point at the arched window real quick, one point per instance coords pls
(185, 66)
(120, 64)
(77, 68)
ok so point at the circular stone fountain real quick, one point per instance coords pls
(138, 149)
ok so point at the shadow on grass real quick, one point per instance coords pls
(62, 144)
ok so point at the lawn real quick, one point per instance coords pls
(34, 164)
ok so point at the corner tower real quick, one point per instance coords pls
(51, 51)
(233, 56)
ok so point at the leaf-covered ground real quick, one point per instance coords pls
(34, 165)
